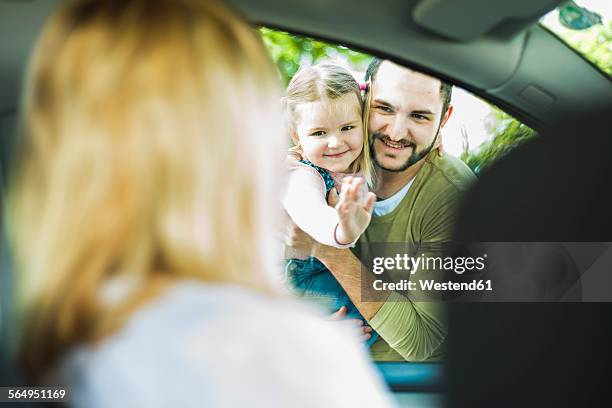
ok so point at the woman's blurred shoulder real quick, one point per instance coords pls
(222, 345)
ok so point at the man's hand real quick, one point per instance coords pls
(364, 330)
(354, 216)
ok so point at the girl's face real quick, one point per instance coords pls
(330, 132)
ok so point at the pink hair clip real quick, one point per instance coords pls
(363, 86)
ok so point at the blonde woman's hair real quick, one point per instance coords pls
(150, 146)
(319, 83)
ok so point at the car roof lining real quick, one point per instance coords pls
(442, 16)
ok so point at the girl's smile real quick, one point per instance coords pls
(336, 155)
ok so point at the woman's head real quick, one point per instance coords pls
(324, 111)
(150, 137)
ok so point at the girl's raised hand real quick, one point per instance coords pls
(354, 212)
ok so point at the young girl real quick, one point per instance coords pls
(324, 114)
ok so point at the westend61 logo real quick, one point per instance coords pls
(412, 264)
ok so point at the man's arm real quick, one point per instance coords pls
(346, 268)
(414, 325)
(415, 330)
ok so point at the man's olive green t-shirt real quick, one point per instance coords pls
(411, 330)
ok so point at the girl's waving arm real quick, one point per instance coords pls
(306, 204)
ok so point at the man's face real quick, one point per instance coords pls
(405, 116)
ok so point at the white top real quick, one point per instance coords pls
(306, 204)
(384, 207)
(203, 345)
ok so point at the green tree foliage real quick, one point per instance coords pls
(290, 51)
(506, 133)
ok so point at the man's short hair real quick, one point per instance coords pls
(446, 89)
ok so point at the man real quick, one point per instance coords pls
(417, 197)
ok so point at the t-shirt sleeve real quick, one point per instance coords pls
(416, 330)
(305, 202)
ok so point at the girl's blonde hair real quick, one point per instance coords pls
(150, 146)
(326, 82)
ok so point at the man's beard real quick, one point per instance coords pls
(414, 157)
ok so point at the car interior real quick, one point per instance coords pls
(502, 354)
